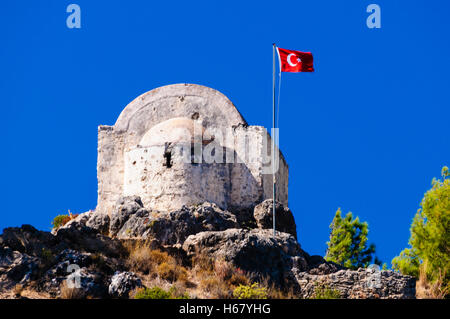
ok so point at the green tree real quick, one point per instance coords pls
(348, 242)
(429, 249)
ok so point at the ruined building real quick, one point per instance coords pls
(157, 147)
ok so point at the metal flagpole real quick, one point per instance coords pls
(273, 141)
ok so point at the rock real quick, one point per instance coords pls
(27, 239)
(80, 220)
(122, 283)
(124, 208)
(99, 222)
(170, 228)
(255, 251)
(317, 265)
(90, 284)
(284, 219)
(16, 267)
(62, 264)
(362, 283)
(79, 237)
(96, 221)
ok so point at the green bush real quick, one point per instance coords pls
(250, 292)
(429, 250)
(158, 293)
(348, 242)
(60, 221)
(324, 292)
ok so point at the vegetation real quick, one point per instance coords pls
(18, 289)
(253, 291)
(68, 292)
(61, 220)
(324, 292)
(143, 259)
(428, 257)
(348, 242)
(206, 278)
(158, 293)
(46, 254)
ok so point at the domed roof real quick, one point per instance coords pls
(175, 130)
(178, 100)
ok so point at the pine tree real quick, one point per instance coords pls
(348, 242)
(429, 249)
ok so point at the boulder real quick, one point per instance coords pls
(255, 251)
(122, 283)
(284, 219)
(99, 222)
(92, 219)
(16, 267)
(317, 265)
(89, 283)
(27, 239)
(124, 208)
(82, 238)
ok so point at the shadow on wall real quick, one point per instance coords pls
(167, 177)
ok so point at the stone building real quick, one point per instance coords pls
(185, 144)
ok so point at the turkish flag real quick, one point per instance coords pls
(295, 61)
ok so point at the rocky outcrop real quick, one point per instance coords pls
(361, 284)
(27, 239)
(284, 219)
(89, 251)
(122, 283)
(132, 220)
(16, 267)
(255, 251)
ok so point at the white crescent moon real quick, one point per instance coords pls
(289, 59)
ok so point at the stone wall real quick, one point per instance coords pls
(241, 184)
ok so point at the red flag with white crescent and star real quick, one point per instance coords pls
(295, 61)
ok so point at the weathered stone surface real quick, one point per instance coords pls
(317, 265)
(124, 208)
(59, 271)
(90, 283)
(131, 220)
(97, 221)
(125, 167)
(256, 251)
(284, 219)
(360, 284)
(27, 239)
(122, 283)
(83, 238)
(16, 267)
(42, 259)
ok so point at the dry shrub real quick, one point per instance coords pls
(18, 289)
(430, 290)
(214, 287)
(172, 271)
(142, 258)
(239, 277)
(202, 264)
(167, 271)
(274, 292)
(217, 278)
(70, 293)
(224, 270)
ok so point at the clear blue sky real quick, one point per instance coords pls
(366, 132)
